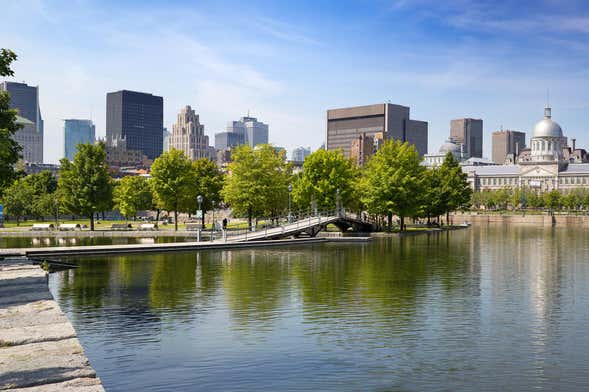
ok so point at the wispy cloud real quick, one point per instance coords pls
(284, 31)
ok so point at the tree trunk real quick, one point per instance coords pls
(249, 218)
(17, 221)
(447, 218)
(157, 215)
(175, 220)
(202, 222)
(92, 222)
(390, 221)
(402, 221)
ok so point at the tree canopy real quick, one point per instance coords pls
(324, 172)
(10, 150)
(132, 194)
(393, 182)
(173, 182)
(258, 182)
(208, 184)
(85, 185)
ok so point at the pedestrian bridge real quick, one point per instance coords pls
(296, 227)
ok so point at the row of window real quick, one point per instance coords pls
(499, 181)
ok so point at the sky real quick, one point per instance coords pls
(287, 62)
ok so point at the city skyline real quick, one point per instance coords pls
(462, 59)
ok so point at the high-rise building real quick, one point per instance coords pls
(507, 142)
(300, 153)
(136, 118)
(166, 143)
(346, 124)
(469, 133)
(253, 131)
(77, 132)
(225, 140)
(363, 147)
(25, 99)
(188, 136)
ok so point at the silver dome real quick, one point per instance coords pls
(547, 127)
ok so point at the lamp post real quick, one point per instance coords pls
(213, 225)
(337, 201)
(199, 200)
(289, 197)
(56, 202)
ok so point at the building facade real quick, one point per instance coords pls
(166, 141)
(300, 153)
(118, 155)
(506, 143)
(545, 167)
(345, 125)
(25, 99)
(136, 118)
(77, 132)
(188, 136)
(469, 133)
(225, 140)
(252, 131)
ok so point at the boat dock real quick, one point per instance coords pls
(39, 348)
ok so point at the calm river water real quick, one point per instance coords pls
(487, 308)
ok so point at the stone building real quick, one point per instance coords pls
(188, 136)
(364, 146)
(546, 166)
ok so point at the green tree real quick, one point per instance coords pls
(324, 172)
(393, 182)
(42, 186)
(552, 199)
(434, 201)
(258, 183)
(454, 190)
(17, 200)
(132, 194)
(208, 184)
(84, 184)
(10, 150)
(173, 182)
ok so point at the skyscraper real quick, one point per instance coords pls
(507, 142)
(166, 143)
(25, 98)
(469, 133)
(77, 132)
(253, 131)
(300, 153)
(136, 118)
(188, 136)
(345, 125)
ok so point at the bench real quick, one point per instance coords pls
(147, 226)
(42, 227)
(121, 226)
(70, 226)
(193, 226)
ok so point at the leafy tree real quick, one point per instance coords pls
(455, 191)
(208, 184)
(17, 200)
(10, 150)
(552, 199)
(132, 194)
(324, 172)
(42, 189)
(258, 183)
(434, 201)
(85, 185)
(393, 182)
(173, 182)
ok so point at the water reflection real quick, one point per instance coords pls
(496, 307)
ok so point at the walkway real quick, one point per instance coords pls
(39, 349)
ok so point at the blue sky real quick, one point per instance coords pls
(287, 62)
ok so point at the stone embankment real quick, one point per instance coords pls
(528, 219)
(39, 349)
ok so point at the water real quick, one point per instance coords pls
(41, 241)
(488, 308)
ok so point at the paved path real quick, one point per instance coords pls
(39, 350)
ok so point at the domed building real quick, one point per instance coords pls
(550, 163)
(449, 145)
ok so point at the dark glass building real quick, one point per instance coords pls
(137, 118)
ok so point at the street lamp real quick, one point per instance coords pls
(199, 200)
(337, 201)
(289, 196)
(213, 226)
(56, 202)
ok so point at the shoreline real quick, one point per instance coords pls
(528, 219)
